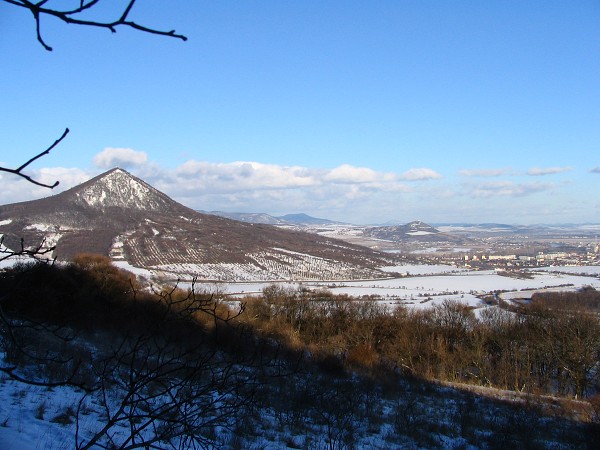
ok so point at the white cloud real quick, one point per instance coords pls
(16, 189)
(257, 187)
(484, 172)
(345, 192)
(420, 175)
(241, 175)
(202, 176)
(506, 189)
(350, 174)
(227, 184)
(539, 171)
(119, 157)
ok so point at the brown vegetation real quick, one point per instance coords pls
(538, 349)
(290, 351)
(147, 359)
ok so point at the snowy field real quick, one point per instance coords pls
(144, 273)
(33, 417)
(464, 287)
(424, 291)
(425, 285)
(423, 269)
(588, 270)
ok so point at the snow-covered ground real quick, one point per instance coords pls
(424, 286)
(40, 418)
(589, 270)
(414, 415)
(424, 291)
(423, 269)
(30, 416)
(137, 271)
(13, 259)
(464, 287)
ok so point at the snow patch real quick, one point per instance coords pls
(120, 189)
(138, 271)
(422, 269)
(41, 227)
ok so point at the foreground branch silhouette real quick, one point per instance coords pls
(69, 15)
(158, 379)
(41, 251)
(19, 170)
(74, 16)
(162, 369)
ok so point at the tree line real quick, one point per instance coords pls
(170, 366)
(160, 367)
(549, 346)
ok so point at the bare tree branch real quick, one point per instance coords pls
(19, 170)
(71, 16)
(38, 253)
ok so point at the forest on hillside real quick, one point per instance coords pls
(174, 368)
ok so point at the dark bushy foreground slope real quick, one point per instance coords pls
(295, 369)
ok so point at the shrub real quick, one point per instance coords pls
(64, 418)
(362, 355)
(40, 410)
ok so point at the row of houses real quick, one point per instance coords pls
(589, 257)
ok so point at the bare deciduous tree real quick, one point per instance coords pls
(157, 389)
(158, 368)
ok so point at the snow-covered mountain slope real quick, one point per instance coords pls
(118, 188)
(119, 215)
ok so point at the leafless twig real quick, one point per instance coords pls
(19, 170)
(39, 252)
(72, 16)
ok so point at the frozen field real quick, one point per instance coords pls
(423, 291)
(423, 269)
(588, 270)
(425, 285)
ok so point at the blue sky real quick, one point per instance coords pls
(365, 112)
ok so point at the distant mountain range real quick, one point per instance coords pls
(416, 232)
(408, 229)
(119, 215)
(299, 219)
